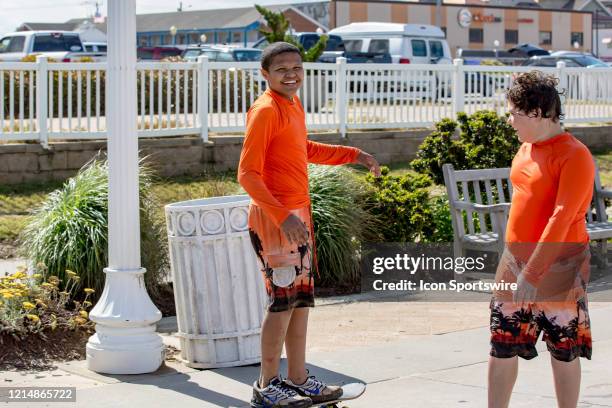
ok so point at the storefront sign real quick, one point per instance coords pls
(464, 17)
(486, 18)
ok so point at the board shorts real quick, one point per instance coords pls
(286, 268)
(515, 329)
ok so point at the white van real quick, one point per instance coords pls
(407, 43)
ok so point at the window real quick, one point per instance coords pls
(511, 36)
(225, 57)
(101, 48)
(56, 42)
(545, 37)
(237, 37)
(419, 49)
(435, 49)
(16, 44)
(476, 35)
(334, 43)
(577, 38)
(353, 45)
(4, 43)
(379, 46)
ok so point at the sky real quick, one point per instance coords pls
(15, 12)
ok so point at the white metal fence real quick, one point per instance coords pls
(61, 101)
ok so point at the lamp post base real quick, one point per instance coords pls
(125, 341)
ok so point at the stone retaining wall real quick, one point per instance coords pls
(21, 163)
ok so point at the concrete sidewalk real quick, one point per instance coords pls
(411, 354)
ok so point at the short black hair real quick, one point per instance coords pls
(275, 49)
(533, 91)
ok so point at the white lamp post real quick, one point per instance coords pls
(203, 38)
(125, 341)
(495, 47)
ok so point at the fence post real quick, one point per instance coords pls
(458, 87)
(341, 101)
(563, 84)
(42, 97)
(203, 67)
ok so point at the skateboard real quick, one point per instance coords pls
(349, 392)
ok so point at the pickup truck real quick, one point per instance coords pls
(63, 46)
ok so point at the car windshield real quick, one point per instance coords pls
(334, 43)
(191, 55)
(247, 55)
(588, 61)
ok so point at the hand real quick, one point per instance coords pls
(370, 162)
(525, 291)
(295, 230)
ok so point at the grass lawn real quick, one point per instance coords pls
(16, 201)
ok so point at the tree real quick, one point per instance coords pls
(277, 30)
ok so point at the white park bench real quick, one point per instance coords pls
(479, 225)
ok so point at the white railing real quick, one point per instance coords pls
(213, 97)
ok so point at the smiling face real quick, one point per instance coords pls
(285, 73)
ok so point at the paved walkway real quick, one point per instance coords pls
(411, 354)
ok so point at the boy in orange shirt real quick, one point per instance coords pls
(273, 171)
(547, 246)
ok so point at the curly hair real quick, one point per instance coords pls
(535, 94)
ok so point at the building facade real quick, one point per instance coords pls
(472, 26)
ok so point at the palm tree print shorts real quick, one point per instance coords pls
(286, 268)
(515, 329)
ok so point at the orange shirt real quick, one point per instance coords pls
(274, 161)
(553, 186)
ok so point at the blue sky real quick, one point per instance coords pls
(15, 12)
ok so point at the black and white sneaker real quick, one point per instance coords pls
(316, 390)
(278, 395)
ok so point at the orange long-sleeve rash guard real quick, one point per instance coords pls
(274, 161)
(553, 186)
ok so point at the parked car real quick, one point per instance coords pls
(65, 46)
(571, 59)
(157, 52)
(526, 50)
(407, 43)
(222, 53)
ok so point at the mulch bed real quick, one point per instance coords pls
(38, 353)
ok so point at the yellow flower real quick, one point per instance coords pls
(80, 320)
(33, 318)
(40, 302)
(64, 293)
(19, 275)
(86, 303)
(77, 278)
(37, 276)
(89, 290)
(70, 273)
(46, 285)
(8, 295)
(28, 305)
(83, 314)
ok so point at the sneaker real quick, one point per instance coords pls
(316, 390)
(277, 395)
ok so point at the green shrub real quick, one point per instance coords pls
(401, 205)
(486, 140)
(341, 222)
(70, 229)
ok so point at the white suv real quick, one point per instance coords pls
(60, 45)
